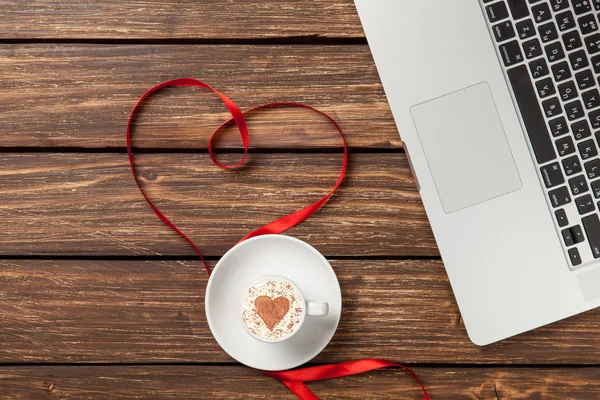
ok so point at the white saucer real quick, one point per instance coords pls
(269, 255)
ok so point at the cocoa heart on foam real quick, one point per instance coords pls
(272, 311)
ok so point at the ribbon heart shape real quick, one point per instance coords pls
(237, 116)
(294, 380)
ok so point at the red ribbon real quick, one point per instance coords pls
(292, 379)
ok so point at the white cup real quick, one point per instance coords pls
(309, 308)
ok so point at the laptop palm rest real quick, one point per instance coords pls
(466, 148)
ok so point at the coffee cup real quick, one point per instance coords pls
(273, 309)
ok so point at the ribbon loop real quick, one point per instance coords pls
(278, 226)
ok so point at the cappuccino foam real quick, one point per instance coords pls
(272, 309)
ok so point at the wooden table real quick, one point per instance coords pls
(98, 299)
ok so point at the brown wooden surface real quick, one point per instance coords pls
(179, 19)
(236, 382)
(96, 87)
(124, 318)
(87, 204)
(153, 312)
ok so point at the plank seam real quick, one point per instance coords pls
(232, 364)
(157, 150)
(50, 257)
(280, 41)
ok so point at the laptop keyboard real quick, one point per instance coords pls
(550, 50)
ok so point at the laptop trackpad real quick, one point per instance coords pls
(466, 147)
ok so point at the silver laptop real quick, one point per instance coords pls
(498, 105)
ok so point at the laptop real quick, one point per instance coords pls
(497, 103)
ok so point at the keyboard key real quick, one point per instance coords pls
(565, 146)
(496, 11)
(552, 175)
(581, 130)
(561, 218)
(572, 165)
(574, 256)
(592, 168)
(565, 21)
(525, 29)
(567, 91)
(592, 43)
(578, 60)
(518, 9)
(591, 225)
(585, 79)
(532, 48)
(596, 64)
(596, 189)
(558, 126)
(558, 5)
(545, 88)
(585, 204)
(511, 53)
(539, 68)
(554, 52)
(559, 197)
(532, 114)
(572, 40)
(587, 149)
(595, 119)
(561, 71)
(591, 98)
(548, 32)
(541, 13)
(574, 110)
(587, 24)
(567, 237)
(551, 107)
(578, 185)
(596, 4)
(577, 234)
(503, 31)
(581, 6)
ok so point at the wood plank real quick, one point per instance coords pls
(87, 204)
(182, 19)
(153, 312)
(237, 382)
(57, 95)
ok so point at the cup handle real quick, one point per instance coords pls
(317, 308)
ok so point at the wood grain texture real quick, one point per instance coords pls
(87, 204)
(237, 382)
(181, 19)
(153, 312)
(57, 95)
(132, 311)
